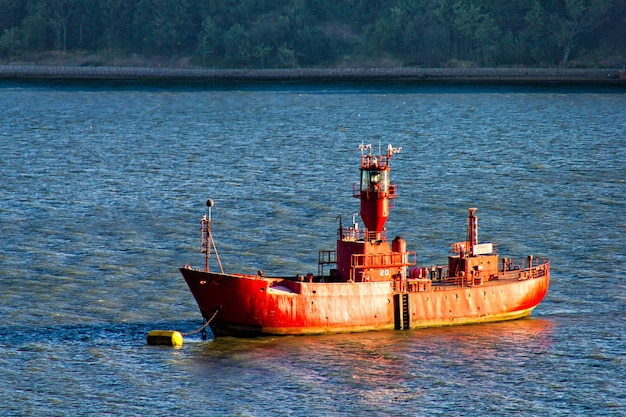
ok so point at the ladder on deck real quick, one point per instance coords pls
(402, 311)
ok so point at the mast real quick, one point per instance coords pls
(472, 231)
(206, 238)
(365, 254)
(375, 190)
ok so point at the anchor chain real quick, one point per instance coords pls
(204, 326)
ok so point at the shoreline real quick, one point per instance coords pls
(471, 75)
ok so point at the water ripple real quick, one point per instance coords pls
(102, 189)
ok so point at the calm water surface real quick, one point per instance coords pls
(102, 188)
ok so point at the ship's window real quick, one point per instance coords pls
(374, 181)
(365, 180)
(384, 181)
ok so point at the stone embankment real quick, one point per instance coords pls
(505, 75)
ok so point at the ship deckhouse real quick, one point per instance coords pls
(365, 254)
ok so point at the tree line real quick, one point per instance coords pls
(321, 33)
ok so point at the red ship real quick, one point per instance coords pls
(369, 283)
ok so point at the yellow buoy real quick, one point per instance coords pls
(165, 337)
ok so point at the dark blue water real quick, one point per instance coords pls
(102, 188)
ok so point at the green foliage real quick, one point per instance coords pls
(209, 39)
(237, 48)
(163, 26)
(10, 41)
(309, 33)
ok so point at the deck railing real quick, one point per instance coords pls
(438, 276)
(352, 234)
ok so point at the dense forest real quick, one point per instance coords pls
(316, 33)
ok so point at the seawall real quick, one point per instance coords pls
(492, 75)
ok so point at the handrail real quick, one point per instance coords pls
(394, 259)
(361, 234)
(438, 275)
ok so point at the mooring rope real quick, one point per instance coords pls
(204, 326)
